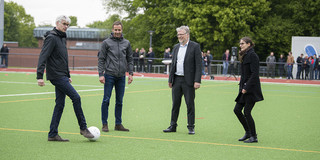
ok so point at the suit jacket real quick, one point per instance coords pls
(191, 66)
(250, 80)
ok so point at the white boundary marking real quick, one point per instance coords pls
(30, 94)
(37, 84)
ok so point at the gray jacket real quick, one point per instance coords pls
(115, 57)
(271, 61)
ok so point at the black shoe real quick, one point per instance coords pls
(170, 129)
(252, 139)
(86, 133)
(245, 137)
(57, 138)
(191, 131)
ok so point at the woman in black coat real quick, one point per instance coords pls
(249, 89)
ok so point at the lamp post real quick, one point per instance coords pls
(150, 32)
(1, 21)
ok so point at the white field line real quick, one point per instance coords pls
(30, 94)
(49, 83)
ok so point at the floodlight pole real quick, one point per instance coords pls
(1, 21)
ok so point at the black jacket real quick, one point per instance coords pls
(115, 57)
(224, 57)
(4, 50)
(192, 63)
(54, 56)
(250, 80)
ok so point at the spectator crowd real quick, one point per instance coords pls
(307, 66)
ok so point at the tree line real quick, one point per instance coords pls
(216, 24)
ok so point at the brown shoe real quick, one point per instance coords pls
(119, 127)
(105, 128)
(57, 138)
(86, 133)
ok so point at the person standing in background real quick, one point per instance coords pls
(135, 56)
(226, 58)
(4, 55)
(315, 68)
(299, 63)
(150, 56)
(209, 59)
(319, 67)
(290, 62)
(311, 60)
(141, 60)
(282, 64)
(305, 67)
(271, 65)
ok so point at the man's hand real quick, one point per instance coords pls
(70, 80)
(196, 85)
(170, 85)
(244, 91)
(102, 79)
(41, 83)
(130, 79)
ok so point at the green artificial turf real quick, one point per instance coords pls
(287, 122)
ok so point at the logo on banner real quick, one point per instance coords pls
(310, 50)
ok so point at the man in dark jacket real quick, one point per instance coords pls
(318, 67)
(136, 59)
(184, 77)
(150, 56)
(271, 65)
(4, 54)
(54, 56)
(299, 62)
(115, 59)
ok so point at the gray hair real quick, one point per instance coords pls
(63, 18)
(186, 28)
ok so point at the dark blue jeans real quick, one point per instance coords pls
(289, 73)
(63, 88)
(299, 72)
(119, 83)
(4, 59)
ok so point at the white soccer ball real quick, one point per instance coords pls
(95, 132)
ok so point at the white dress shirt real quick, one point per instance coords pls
(180, 59)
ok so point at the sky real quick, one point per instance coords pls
(46, 11)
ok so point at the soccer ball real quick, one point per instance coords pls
(95, 132)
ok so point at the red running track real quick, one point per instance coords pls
(156, 75)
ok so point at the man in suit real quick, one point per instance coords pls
(184, 77)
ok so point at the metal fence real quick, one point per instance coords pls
(85, 62)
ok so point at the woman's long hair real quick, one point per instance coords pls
(242, 53)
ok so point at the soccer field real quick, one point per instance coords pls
(287, 122)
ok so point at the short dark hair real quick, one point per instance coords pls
(117, 23)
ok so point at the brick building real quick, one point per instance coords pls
(82, 43)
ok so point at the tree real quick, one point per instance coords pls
(219, 24)
(74, 21)
(216, 25)
(18, 26)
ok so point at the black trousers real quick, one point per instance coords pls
(246, 119)
(179, 88)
